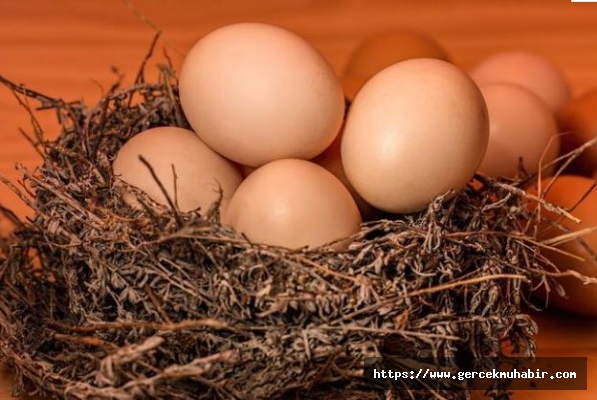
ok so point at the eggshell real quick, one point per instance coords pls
(578, 122)
(383, 49)
(293, 203)
(521, 127)
(415, 131)
(566, 191)
(529, 70)
(175, 152)
(257, 93)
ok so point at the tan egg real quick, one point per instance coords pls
(190, 171)
(521, 127)
(578, 122)
(293, 203)
(331, 160)
(529, 70)
(415, 131)
(384, 49)
(566, 191)
(257, 93)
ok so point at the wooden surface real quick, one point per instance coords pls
(67, 48)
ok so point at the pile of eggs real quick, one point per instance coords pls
(293, 166)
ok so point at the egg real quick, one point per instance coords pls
(578, 122)
(256, 93)
(383, 49)
(293, 203)
(191, 173)
(521, 129)
(566, 191)
(529, 70)
(415, 131)
(331, 160)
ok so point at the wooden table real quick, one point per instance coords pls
(67, 48)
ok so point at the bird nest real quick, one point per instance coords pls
(100, 300)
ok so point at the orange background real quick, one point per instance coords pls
(66, 49)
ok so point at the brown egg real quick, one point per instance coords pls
(566, 191)
(178, 157)
(529, 70)
(257, 93)
(384, 49)
(520, 127)
(331, 160)
(415, 131)
(578, 122)
(293, 203)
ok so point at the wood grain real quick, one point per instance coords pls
(67, 48)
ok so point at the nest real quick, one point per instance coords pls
(99, 300)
